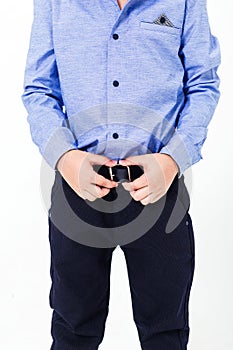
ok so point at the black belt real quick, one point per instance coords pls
(119, 173)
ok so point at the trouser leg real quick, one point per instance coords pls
(160, 269)
(79, 294)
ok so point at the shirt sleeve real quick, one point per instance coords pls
(200, 56)
(42, 94)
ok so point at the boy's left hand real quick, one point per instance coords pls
(159, 171)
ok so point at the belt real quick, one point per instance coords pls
(119, 173)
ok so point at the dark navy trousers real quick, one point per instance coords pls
(160, 269)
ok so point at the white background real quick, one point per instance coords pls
(24, 248)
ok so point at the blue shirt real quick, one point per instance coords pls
(121, 82)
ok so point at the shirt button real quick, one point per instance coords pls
(115, 36)
(116, 83)
(115, 135)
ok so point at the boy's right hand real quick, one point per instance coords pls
(75, 166)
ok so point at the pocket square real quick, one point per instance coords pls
(163, 20)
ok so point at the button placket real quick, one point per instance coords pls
(114, 67)
(113, 84)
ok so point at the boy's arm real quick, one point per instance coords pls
(200, 55)
(42, 95)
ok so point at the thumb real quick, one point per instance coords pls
(101, 160)
(133, 160)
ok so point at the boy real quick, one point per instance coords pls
(91, 66)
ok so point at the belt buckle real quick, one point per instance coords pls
(112, 175)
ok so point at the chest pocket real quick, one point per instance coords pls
(161, 29)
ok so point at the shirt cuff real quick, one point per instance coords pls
(61, 141)
(178, 150)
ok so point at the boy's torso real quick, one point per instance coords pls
(107, 57)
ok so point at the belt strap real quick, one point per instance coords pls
(119, 173)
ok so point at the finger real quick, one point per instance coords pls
(111, 163)
(101, 160)
(147, 199)
(133, 160)
(103, 191)
(141, 193)
(136, 184)
(151, 198)
(97, 192)
(101, 181)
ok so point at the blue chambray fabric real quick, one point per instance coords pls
(166, 72)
